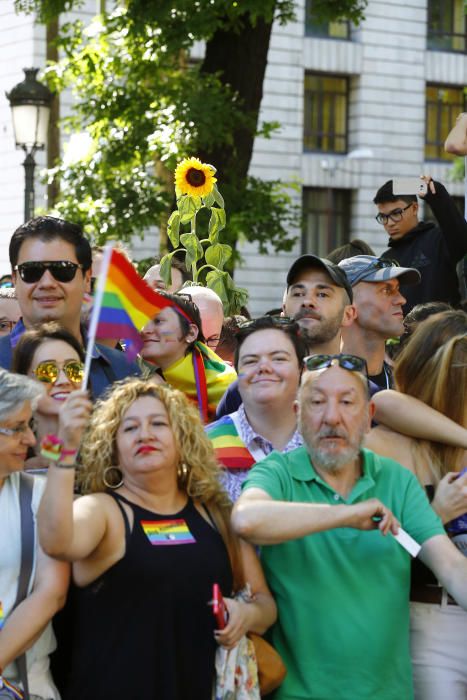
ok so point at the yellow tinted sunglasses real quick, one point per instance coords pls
(49, 370)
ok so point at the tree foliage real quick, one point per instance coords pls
(145, 105)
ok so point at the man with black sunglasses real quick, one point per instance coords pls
(319, 513)
(434, 250)
(51, 269)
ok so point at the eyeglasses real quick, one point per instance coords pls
(18, 430)
(395, 215)
(350, 362)
(213, 341)
(61, 270)
(7, 326)
(48, 371)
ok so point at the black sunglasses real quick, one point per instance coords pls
(268, 321)
(61, 270)
(350, 362)
(374, 265)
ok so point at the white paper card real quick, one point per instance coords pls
(407, 542)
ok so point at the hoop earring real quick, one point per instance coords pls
(105, 478)
(182, 474)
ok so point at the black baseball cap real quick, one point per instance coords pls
(337, 275)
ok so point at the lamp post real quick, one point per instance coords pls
(30, 103)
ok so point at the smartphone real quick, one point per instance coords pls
(219, 608)
(409, 185)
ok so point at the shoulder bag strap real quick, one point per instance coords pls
(27, 559)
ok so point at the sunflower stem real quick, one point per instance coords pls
(194, 270)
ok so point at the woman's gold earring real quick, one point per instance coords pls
(106, 481)
(182, 474)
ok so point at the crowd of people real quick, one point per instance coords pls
(299, 463)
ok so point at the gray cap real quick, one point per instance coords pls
(335, 273)
(369, 268)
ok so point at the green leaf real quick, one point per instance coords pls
(173, 228)
(165, 269)
(218, 254)
(194, 249)
(215, 280)
(219, 199)
(209, 200)
(187, 208)
(216, 223)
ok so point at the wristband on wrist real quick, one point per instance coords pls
(64, 465)
(68, 453)
(51, 447)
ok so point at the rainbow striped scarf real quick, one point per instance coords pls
(203, 376)
(229, 448)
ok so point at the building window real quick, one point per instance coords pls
(325, 30)
(447, 26)
(325, 113)
(443, 104)
(326, 219)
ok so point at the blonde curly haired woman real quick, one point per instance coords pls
(147, 541)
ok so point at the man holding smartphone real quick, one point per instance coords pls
(433, 249)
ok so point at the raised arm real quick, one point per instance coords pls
(28, 620)
(456, 141)
(451, 221)
(69, 529)
(261, 520)
(409, 416)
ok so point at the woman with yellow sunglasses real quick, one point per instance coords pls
(50, 355)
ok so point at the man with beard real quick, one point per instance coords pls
(319, 512)
(319, 297)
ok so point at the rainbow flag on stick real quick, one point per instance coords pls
(123, 304)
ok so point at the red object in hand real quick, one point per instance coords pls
(218, 607)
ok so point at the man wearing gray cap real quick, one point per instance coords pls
(378, 302)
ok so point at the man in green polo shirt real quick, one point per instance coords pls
(342, 593)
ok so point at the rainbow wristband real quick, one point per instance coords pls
(68, 453)
(51, 447)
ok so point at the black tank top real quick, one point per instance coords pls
(144, 629)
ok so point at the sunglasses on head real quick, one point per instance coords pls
(374, 265)
(350, 362)
(49, 370)
(61, 270)
(284, 322)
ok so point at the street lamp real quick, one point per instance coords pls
(30, 103)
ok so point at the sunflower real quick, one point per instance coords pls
(194, 177)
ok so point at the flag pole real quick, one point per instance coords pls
(96, 309)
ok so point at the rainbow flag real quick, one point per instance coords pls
(229, 448)
(202, 376)
(167, 532)
(127, 304)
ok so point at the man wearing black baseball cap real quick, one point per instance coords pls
(378, 303)
(319, 297)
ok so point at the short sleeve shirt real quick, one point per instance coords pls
(342, 594)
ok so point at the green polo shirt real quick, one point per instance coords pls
(342, 595)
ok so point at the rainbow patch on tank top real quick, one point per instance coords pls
(2, 616)
(167, 532)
